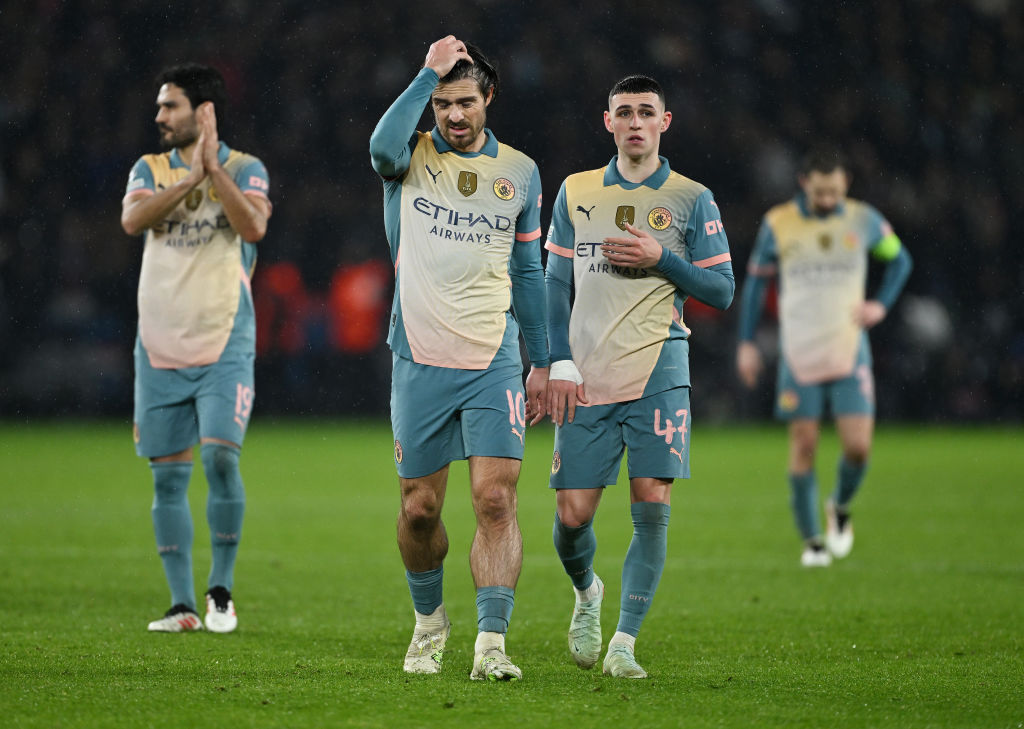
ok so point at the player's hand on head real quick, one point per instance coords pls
(639, 251)
(444, 54)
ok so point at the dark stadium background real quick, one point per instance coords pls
(924, 95)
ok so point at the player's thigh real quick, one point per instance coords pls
(493, 413)
(164, 416)
(424, 417)
(793, 400)
(657, 434)
(225, 399)
(855, 394)
(588, 451)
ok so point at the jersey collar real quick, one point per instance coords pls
(801, 202)
(655, 181)
(222, 156)
(490, 147)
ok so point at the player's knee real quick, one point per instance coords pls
(220, 464)
(421, 510)
(170, 482)
(495, 505)
(856, 454)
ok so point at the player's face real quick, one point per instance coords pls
(175, 118)
(825, 191)
(460, 111)
(636, 121)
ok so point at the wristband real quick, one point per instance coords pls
(565, 369)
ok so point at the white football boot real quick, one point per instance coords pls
(838, 531)
(179, 619)
(220, 610)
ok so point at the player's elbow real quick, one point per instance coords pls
(129, 225)
(254, 231)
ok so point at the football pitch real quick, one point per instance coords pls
(922, 626)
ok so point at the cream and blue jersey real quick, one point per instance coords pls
(821, 262)
(194, 289)
(626, 333)
(464, 232)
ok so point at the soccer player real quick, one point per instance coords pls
(462, 217)
(633, 240)
(202, 207)
(818, 245)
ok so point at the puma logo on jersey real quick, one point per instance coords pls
(433, 175)
(585, 211)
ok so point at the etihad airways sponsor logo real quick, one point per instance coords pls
(449, 216)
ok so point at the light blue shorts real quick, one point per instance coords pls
(851, 395)
(655, 429)
(440, 414)
(174, 409)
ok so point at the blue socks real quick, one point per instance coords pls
(848, 481)
(645, 560)
(426, 589)
(804, 500)
(494, 608)
(576, 547)
(225, 507)
(172, 524)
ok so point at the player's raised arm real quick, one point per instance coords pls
(248, 214)
(393, 139)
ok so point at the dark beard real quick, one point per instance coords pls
(175, 141)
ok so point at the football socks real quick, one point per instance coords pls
(172, 524)
(426, 589)
(494, 608)
(225, 507)
(645, 560)
(804, 500)
(576, 547)
(848, 481)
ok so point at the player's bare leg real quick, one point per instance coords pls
(423, 544)
(855, 434)
(495, 559)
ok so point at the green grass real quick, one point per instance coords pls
(923, 626)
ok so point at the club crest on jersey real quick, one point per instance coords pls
(467, 183)
(504, 189)
(556, 462)
(851, 241)
(193, 199)
(398, 452)
(659, 218)
(625, 214)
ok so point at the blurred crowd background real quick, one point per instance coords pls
(924, 95)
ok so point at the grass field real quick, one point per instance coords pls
(923, 626)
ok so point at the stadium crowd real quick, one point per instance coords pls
(920, 94)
